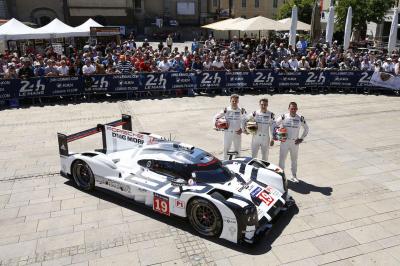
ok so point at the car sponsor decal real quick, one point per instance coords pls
(161, 204)
(180, 204)
(254, 193)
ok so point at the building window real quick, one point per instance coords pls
(256, 3)
(138, 4)
(243, 3)
(215, 3)
(275, 4)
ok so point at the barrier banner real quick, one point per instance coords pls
(8, 88)
(153, 81)
(238, 79)
(190, 81)
(34, 87)
(179, 81)
(96, 84)
(63, 86)
(263, 79)
(293, 79)
(211, 80)
(123, 83)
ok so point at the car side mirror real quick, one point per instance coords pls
(179, 182)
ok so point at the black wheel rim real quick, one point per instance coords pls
(82, 174)
(204, 218)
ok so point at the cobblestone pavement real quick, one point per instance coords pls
(348, 199)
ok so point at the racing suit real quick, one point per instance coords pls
(266, 123)
(292, 124)
(235, 119)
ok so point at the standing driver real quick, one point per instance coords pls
(265, 124)
(235, 117)
(292, 122)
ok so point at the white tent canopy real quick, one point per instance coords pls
(83, 30)
(55, 29)
(257, 24)
(300, 25)
(223, 24)
(16, 30)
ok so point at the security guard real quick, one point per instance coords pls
(292, 122)
(265, 121)
(235, 117)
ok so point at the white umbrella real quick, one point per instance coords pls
(257, 24)
(330, 25)
(348, 29)
(393, 32)
(293, 27)
(300, 25)
(223, 24)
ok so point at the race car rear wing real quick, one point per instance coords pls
(63, 140)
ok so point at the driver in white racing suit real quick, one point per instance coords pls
(265, 124)
(235, 117)
(292, 122)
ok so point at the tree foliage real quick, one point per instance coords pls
(304, 10)
(363, 12)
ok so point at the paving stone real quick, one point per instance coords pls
(127, 259)
(57, 222)
(295, 251)
(332, 242)
(20, 249)
(368, 233)
(158, 254)
(62, 241)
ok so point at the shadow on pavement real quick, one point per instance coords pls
(262, 246)
(305, 188)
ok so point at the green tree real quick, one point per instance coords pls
(304, 10)
(363, 12)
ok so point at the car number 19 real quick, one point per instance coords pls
(161, 204)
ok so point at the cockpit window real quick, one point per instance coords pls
(218, 175)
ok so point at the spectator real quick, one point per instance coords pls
(26, 71)
(99, 68)
(207, 65)
(124, 66)
(88, 68)
(11, 72)
(217, 64)
(169, 41)
(397, 68)
(365, 64)
(39, 70)
(303, 64)
(63, 70)
(388, 66)
(197, 65)
(195, 46)
(164, 65)
(51, 69)
(293, 63)
(178, 65)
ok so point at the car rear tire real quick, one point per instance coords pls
(83, 175)
(204, 217)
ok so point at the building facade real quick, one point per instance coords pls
(245, 8)
(39, 12)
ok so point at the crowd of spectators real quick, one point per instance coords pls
(236, 54)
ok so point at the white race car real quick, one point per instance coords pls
(235, 199)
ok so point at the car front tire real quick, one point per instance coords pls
(204, 217)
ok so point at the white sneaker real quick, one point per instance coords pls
(294, 179)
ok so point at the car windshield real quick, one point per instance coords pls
(218, 175)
